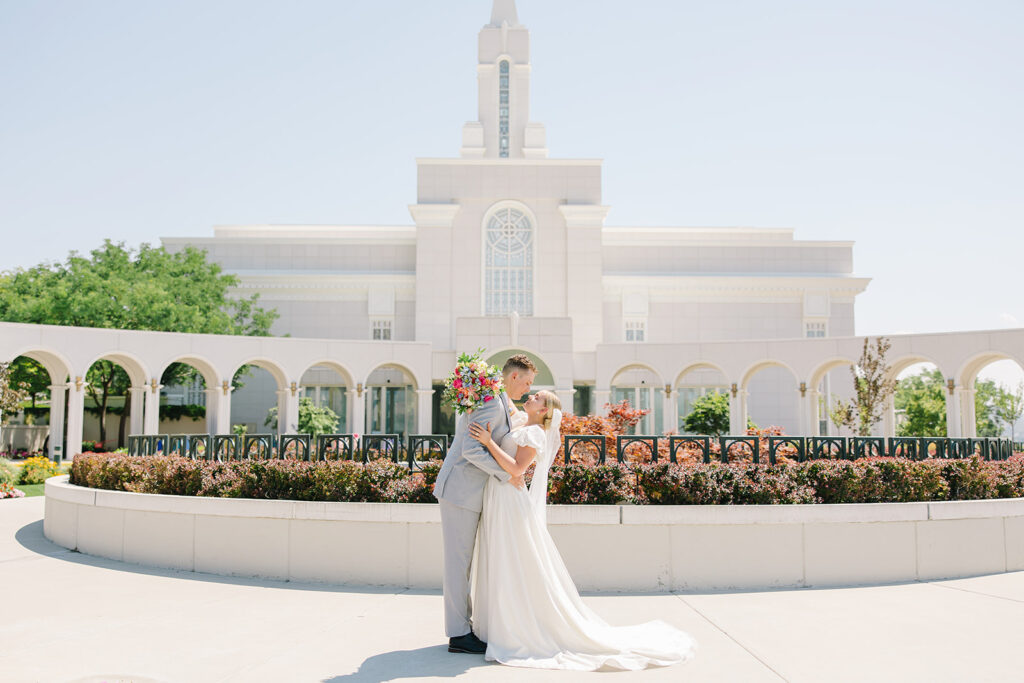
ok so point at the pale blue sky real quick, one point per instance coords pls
(893, 123)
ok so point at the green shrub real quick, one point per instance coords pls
(8, 472)
(37, 470)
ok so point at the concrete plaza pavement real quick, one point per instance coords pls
(72, 617)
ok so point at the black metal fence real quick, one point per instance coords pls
(578, 448)
(227, 447)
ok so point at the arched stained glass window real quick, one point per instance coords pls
(508, 276)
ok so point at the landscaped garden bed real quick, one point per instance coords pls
(27, 476)
(867, 480)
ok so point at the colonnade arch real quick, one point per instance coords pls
(66, 354)
(392, 400)
(53, 372)
(693, 382)
(329, 384)
(113, 384)
(753, 382)
(644, 388)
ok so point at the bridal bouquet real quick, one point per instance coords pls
(473, 383)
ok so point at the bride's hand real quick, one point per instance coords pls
(481, 434)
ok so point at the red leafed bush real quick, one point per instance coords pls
(378, 481)
(868, 480)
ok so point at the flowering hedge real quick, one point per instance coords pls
(868, 480)
(379, 481)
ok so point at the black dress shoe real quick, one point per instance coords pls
(468, 644)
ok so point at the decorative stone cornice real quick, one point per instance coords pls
(584, 215)
(434, 215)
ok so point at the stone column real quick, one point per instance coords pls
(58, 402)
(357, 411)
(601, 397)
(76, 416)
(151, 423)
(968, 416)
(801, 409)
(813, 406)
(670, 413)
(889, 418)
(425, 411)
(953, 422)
(288, 410)
(347, 420)
(137, 396)
(218, 409)
(738, 411)
(566, 397)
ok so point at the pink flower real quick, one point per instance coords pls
(488, 399)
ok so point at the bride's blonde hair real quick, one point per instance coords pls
(552, 403)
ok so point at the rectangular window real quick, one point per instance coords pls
(814, 330)
(380, 330)
(636, 330)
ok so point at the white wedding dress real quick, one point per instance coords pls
(525, 605)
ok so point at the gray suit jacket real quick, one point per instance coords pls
(468, 463)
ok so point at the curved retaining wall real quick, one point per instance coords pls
(606, 547)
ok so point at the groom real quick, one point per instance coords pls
(460, 491)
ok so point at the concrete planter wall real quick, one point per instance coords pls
(606, 547)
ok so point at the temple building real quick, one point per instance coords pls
(508, 249)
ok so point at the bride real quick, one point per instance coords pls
(525, 605)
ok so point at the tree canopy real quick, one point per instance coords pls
(313, 419)
(709, 415)
(133, 289)
(922, 399)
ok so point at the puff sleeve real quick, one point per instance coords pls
(532, 437)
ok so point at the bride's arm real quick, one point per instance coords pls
(515, 466)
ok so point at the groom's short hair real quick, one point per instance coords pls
(518, 363)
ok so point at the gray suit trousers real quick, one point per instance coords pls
(458, 526)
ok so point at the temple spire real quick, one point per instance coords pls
(504, 12)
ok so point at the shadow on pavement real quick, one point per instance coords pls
(422, 663)
(32, 539)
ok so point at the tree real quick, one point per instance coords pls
(872, 387)
(922, 398)
(1010, 407)
(116, 287)
(986, 400)
(709, 415)
(29, 374)
(106, 379)
(313, 419)
(11, 394)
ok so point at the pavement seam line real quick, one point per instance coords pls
(730, 637)
(967, 590)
